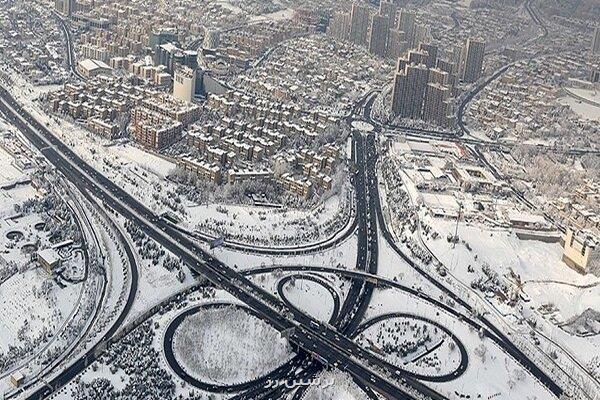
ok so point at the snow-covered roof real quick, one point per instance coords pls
(525, 217)
(91, 65)
(50, 256)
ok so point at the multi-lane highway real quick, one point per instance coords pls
(328, 344)
(505, 341)
(309, 334)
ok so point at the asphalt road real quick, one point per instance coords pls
(505, 342)
(282, 372)
(70, 52)
(317, 338)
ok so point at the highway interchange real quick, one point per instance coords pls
(321, 344)
(309, 334)
(329, 344)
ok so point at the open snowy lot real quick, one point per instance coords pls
(412, 344)
(228, 346)
(32, 307)
(311, 297)
(279, 226)
(334, 385)
(583, 109)
(496, 373)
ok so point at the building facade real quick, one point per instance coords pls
(472, 60)
(582, 251)
(378, 37)
(359, 24)
(409, 91)
(184, 84)
(596, 41)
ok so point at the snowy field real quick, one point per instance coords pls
(310, 297)
(261, 226)
(495, 372)
(334, 385)
(413, 345)
(32, 307)
(342, 256)
(590, 95)
(545, 277)
(584, 110)
(10, 172)
(228, 346)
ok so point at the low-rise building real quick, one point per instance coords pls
(17, 378)
(582, 251)
(238, 175)
(49, 259)
(109, 130)
(301, 187)
(91, 68)
(207, 171)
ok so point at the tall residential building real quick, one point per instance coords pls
(164, 54)
(401, 65)
(388, 9)
(447, 66)
(417, 57)
(472, 60)
(436, 105)
(432, 53)
(409, 91)
(455, 56)
(406, 23)
(596, 41)
(397, 44)
(378, 37)
(162, 36)
(359, 24)
(339, 26)
(422, 35)
(66, 7)
(436, 75)
(184, 84)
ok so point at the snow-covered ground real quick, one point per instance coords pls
(333, 385)
(343, 256)
(27, 313)
(413, 345)
(280, 226)
(587, 94)
(501, 248)
(228, 346)
(39, 317)
(583, 109)
(310, 297)
(496, 373)
(281, 15)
